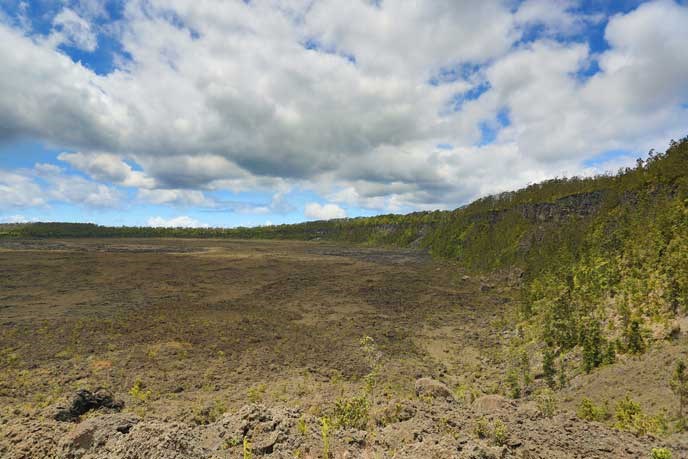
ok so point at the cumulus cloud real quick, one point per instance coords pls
(348, 99)
(72, 29)
(176, 222)
(45, 184)
(109, 168)
(323, 211)
(19, 190)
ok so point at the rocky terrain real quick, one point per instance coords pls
(433, 425)
(164, 348)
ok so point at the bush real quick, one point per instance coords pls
(590, 412)
(256, 393)
(548, 367)
(629, 416)
(481, 428)
(546, 403)
(661, 453)
(679, 385)
(351, 413)
(325, 427)
(500, 433)
(513, 384)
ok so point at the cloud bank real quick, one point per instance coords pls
(391, 105)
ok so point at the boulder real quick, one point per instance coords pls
(490, 403)
(432, 388)
(84, 401)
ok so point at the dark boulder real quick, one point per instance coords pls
(84, 401)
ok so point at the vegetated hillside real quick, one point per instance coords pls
(603, 260)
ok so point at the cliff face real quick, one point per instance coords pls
(579, 205)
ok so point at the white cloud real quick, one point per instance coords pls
(335, 97)
(323, 211)
(176, 222)
(558, 17)
(108, 167)
(18, 191)
(15, 219)
(47, 183)
(72, 29)
(175, 197)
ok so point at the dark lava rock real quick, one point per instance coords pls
(84, 401)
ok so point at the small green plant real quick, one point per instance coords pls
(500, 433)
(661, 453)
(352, 412)
(590, 412)
(137, 391)
(301, 425)
(546, 402)
(481, 428)
(372, 357)
(513, 384)
(465, 393)
(248, 452)
(256, 393)
(232, 442)
(325, 427)
(209, 414)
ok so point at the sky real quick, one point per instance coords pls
(253, 112)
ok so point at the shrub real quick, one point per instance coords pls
(546, 403)
(679, 385)
(500, 433)
(247, 450)
(548, 367)
(661, 453)
(255, 394)
(590, 412)
(629, 416)
(139, 393)
(481, 428)
(513, 384)
(301, 425)
(209, 414)
(325, 427)
(351, 413)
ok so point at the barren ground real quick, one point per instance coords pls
(209, 326)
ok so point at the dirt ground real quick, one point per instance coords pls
(198, 321)
(189, 331)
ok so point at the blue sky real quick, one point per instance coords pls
(133, 112)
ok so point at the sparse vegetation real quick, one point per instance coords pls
(661, 453)
(630, 416)
(679, 385)
(325, 428)
(351, 413)
(247, 449)
(546, 402)
(590, 412)
(139, 392)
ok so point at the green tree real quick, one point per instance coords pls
(593, 345)
(679, 385)
(635, 344)
(548, 367)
